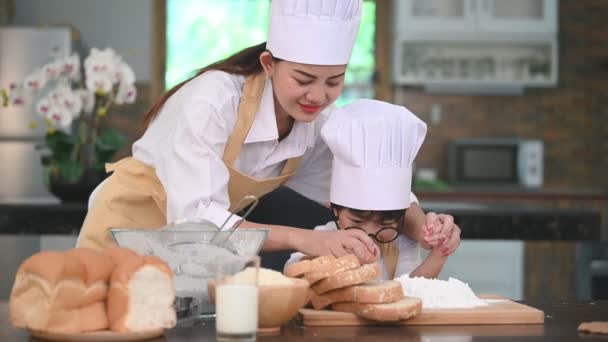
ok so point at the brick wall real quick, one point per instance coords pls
(571, 118)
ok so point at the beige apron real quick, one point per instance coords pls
(133, 197)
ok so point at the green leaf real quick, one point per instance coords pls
(61, 145)
(71, 172)
(107, 144)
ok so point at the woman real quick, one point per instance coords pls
(245, 125)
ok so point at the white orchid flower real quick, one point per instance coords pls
(71, 102)
(16, 95)
(125, 74)
(99, 82)
(43, 107)
(60, 118)
(70, 67)
(52, 70)
(88, 100)
(34, 81)
(101, 62)
(126, 94)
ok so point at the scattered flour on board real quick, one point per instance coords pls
(436, 294)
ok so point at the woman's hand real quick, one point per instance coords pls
(339, 243)
(441, 232)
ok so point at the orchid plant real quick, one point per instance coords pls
(71, 100)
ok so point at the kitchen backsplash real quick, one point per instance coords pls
(571, 119)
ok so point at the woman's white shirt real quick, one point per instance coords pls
(409, 256)
(185, 144)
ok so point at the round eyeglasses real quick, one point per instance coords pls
(384, 235)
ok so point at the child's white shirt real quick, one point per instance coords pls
(409, 256)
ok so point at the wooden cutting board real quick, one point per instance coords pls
(499, 311)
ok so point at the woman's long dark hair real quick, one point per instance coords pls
(245, 62)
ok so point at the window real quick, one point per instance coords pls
(200, 32)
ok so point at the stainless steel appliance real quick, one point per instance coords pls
(496, 162)
(22, 50)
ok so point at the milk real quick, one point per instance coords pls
(236, 309)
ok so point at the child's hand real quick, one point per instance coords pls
(440, 232)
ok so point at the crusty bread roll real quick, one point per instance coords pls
(318, 264)
(47, 283)
(373, 292)
(342, 264)
(356, 276)
(141, 295)
(98, 267)
(387, 312)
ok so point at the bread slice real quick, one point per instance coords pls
(373, 292)
(298, 269)
(356, 276)
(141, 295)
(388, 312)
(344, 263)
(98, 267)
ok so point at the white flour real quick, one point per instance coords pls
(440, 294)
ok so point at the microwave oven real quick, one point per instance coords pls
(496, 162)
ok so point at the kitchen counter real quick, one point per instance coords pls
(561, 321)
(478, 220)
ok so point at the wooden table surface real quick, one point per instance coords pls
(561, 321)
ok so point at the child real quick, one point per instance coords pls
(374, 145)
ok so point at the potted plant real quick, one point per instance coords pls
(71, 99)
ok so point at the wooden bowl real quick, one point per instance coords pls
(277, 304)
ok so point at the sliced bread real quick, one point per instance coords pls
(373, 292)
(344, 263)
(356, 276)
(387, 312)
(299, 268)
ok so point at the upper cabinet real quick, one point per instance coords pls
(476, 16)
(475, 44)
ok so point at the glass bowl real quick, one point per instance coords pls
(186, 248)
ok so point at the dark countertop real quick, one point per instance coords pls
(561, 322)
(477, 220)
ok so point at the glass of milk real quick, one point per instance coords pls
(236, 298)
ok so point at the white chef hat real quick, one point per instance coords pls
(321, 32)
(374, 144)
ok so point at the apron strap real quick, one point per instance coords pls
(248, 106)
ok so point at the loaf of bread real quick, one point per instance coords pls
(98, 268)
(342, 264)
(141, 295)
(319, 264)
(47, 284)
(374, 292)
(70, 292)
(356, 276)
(388, 312)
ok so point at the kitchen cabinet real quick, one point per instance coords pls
(476, 16)
(480, 46)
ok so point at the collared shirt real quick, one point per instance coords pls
(185, 144)
(409, 254)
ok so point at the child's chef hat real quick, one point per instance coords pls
(374, 144)
(321, 32)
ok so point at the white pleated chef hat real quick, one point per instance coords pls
(374, 144)
(321, 32)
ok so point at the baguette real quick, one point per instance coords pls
(299, 268)
(356, 276)
(141, 295)
(374, 292)
(387, 312)
(344, 263)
